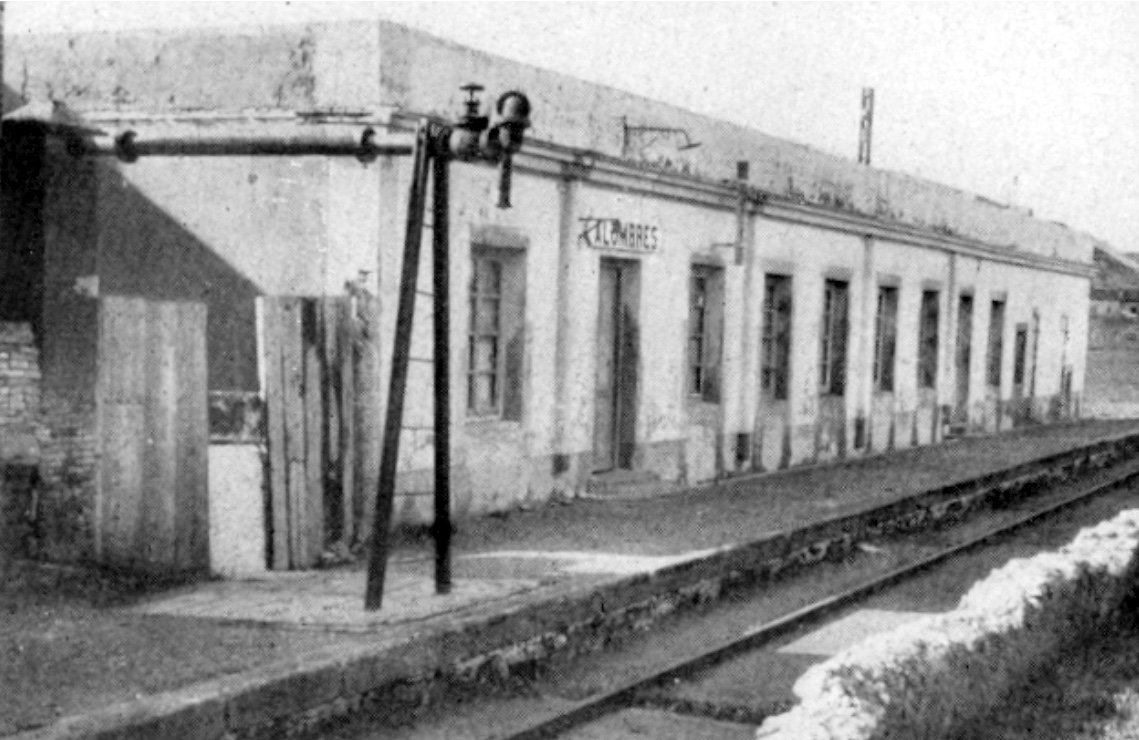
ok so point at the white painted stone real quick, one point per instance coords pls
(237, 505)
(851, 629)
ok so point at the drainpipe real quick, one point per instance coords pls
(864, 409)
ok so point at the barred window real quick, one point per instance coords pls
(495, 333)
(885, 338)
(705, 319)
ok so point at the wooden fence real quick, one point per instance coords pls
(153, 506)
(311, 357)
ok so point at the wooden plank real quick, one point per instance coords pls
(120, 475)
(191, 438)
(156, 525)
(313, 409)
(292, 365)
(121, 482)
(331, 418)
(148, 477)
(368, 411)
(121, 421)
(275, 410)
(347, 423)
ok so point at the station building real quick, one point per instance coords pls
(1111, 390)
(670, 300)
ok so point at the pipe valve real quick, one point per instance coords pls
(474, 137)
(512, 119)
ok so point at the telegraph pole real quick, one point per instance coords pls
(866, 126)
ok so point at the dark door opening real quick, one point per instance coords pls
(1019, 373)
(614, 436)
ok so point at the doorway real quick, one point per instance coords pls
(615, 412)
(1020, 407)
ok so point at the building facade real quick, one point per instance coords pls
(648, 313)
(1112, 386)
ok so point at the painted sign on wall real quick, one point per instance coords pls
(613, 233)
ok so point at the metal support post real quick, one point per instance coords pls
(385, 494)
(435, 145)
(442, 331)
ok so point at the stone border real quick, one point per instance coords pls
(931, 677)
(309, 691)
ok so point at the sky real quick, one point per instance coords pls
(1035, 104)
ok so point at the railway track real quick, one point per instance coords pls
(651, 691)
(633, 693)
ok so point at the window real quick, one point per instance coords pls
(832, 357)
(927, 339)
(886, 339)
(776, 345)
(705, 317)
(494, 362)
(996, 343)
(1020, 354)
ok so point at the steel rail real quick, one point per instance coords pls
(622, 697)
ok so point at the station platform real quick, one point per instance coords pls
(278, 653)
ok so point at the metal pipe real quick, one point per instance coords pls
(129, 145)
(440, 229)
(385, 489)
(741, 209)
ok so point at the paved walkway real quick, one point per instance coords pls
(597, 540)
(89, 657)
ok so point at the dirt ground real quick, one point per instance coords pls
(65, 647)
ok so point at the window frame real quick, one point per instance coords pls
(929, 339)
(834, 336)
(507, 334)
(703, 332)
(885, 339)
(995, 351)
(776, 336)
(1020, 354)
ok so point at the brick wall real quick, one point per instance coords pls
(48, 459)
(19, 384)
(69, 472)
(19, 435)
